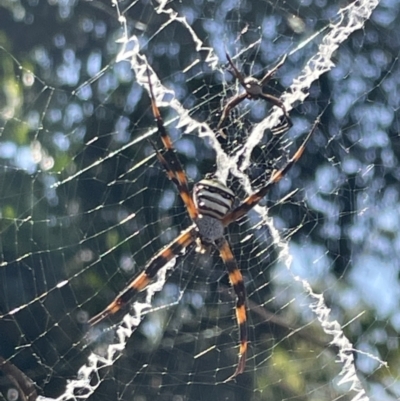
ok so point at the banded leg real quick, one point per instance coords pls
(236, 280)
(277, 175)
(171, 162)
(143, 279)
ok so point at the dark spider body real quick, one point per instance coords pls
(254, 91)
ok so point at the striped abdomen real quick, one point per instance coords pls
(212, 198)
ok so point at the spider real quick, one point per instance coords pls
(254, 90)
(210, 208)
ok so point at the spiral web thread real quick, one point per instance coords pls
(349, 19)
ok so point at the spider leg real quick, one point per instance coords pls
(270, 73)
(277, 102)
(236, 73)
(229, 106)
(277, 175)
(236, 280)
(138, 284)
(184, 193)
(170, 162)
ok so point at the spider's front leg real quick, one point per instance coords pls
(170, 160)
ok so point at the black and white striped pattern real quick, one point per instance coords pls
(284, 125)
(212, 198)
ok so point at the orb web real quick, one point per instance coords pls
(85, 204)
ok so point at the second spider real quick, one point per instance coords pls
(254, 90)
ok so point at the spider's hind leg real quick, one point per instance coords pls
(236, 280)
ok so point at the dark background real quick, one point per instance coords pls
(84, 203)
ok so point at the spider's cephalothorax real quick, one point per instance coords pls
(253, 87)
(211, 208)
(213, 200)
